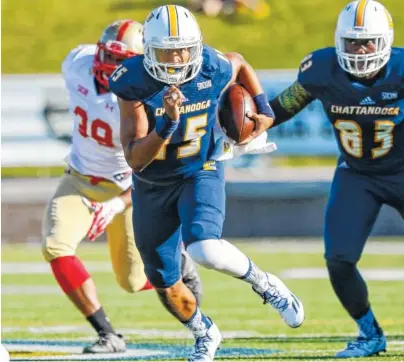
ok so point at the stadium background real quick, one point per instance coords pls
(279, 199)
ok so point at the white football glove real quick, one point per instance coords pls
(103, 214)
(228, 149)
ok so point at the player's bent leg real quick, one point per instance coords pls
(181, 303)
(349, 286)
(159, 246)
(179, 300)
(351, 212)
(202, 210)
(76, 283)
(222, 256)
(62, 232)
(190, 276)
(126, 260)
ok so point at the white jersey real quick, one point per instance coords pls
(96, 149)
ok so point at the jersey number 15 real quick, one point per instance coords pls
(194, 131)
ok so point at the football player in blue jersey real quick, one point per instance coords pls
(360, 83)
(168, 101)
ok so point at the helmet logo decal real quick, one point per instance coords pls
(122, 30)
(173, 21)
(389, 18)
(360, 13)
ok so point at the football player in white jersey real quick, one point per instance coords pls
(94, 194)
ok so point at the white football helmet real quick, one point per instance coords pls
(364, 19)
(172, 27)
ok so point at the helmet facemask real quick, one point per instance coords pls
(108, 57)
(364, 38)
(363, 65)
(173, 73)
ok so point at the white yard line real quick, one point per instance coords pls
(315, 245)
(44, 268)
(381, 274)
(269, 246)
(159, 333)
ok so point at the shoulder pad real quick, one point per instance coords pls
(80, 57)
(397, 62)
(213, 60)
(131, 82)
(316, 68)
(217, 67)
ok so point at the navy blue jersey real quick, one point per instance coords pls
(367, 120)
(192, 144)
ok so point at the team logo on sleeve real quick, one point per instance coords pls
(306, 63)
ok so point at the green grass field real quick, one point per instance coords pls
(37, 35)
(253, 331)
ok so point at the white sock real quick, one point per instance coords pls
(256, 277)
(198, 324)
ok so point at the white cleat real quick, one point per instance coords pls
(206, 345)
(107, 343)
(277, 294)
(363, 347)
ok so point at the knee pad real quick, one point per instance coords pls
(206, 253)
(220, 255)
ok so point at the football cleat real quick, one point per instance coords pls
(206, 345)
(363, 347)
(190, 276)
(107, 343)
(276, 294)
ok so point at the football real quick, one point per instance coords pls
(235, 104)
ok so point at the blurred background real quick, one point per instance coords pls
(275, 208)
(291, 184)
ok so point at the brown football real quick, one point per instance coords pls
(232, 113)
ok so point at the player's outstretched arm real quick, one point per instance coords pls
(245, 75)
(290, 102)
(140, 148)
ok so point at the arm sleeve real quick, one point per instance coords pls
(290, 102)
